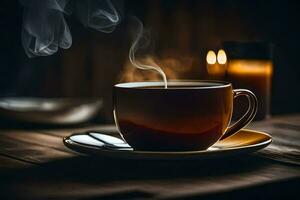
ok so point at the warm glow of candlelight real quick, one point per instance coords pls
(222, 58)
(255, 75)
(249, 67)
(211, 57)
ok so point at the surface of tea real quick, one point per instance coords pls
(176, 85)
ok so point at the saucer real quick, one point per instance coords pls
(98, 144)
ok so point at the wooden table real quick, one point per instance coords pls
(34, 164)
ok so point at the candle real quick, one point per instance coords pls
(250, 67)
(216, 64)
(256, 76)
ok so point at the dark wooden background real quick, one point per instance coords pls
(183, 31)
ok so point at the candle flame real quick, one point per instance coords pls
(222, 58)
(211, 57)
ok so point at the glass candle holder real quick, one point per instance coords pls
(250, 66)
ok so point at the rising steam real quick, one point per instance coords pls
(45, 29)
(100, 15)
(133, 49)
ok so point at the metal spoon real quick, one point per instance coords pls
(100, 140)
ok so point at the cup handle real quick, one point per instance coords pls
(247, 117)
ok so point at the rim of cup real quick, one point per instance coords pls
(182, 84)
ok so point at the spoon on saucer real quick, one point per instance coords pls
(100, 140)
